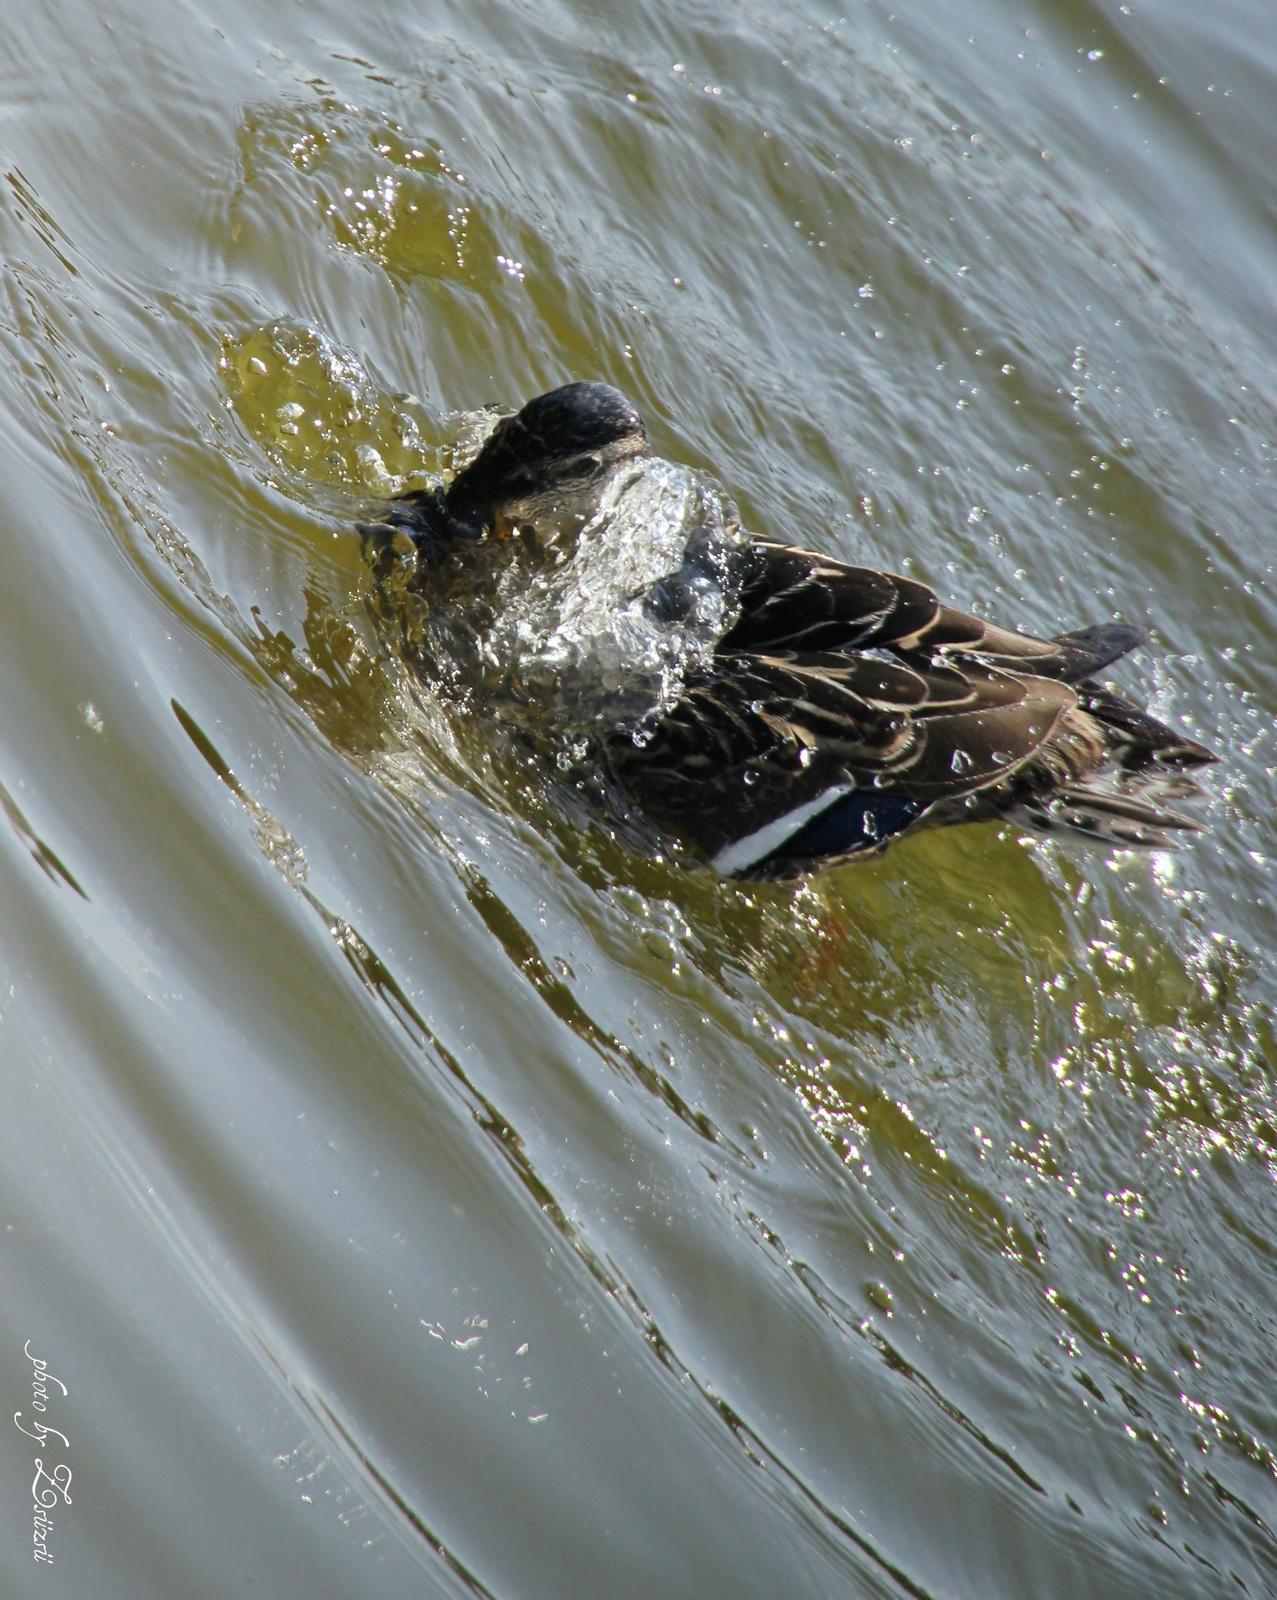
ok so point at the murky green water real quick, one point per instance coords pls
(420, 1192)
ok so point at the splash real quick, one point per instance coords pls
(601, 629)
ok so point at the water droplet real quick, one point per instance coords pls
(880, 1295)
(751, 778)
(961, 761)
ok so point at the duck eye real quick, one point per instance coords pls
(581, 467)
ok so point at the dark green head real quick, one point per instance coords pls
(561, 443)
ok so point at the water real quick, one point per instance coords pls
(420, 1190)
(591, 617)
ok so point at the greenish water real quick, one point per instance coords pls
(421, 1192)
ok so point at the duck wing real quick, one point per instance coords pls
(796, 600)
(762, 745)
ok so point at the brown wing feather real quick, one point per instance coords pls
(762, 735)
(838, 677)
(796, 600)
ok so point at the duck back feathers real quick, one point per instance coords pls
(846, 705)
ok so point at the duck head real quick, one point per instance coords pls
(540, 470)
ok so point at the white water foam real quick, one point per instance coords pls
(603, 627)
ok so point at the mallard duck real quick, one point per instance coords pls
(836, 707)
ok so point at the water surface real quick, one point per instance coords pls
(419, 1188)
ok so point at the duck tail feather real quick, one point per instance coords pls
(1137, 740)
(1121, 813)
(1089, 650)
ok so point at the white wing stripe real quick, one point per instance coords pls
(750, 850)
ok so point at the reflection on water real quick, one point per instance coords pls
(314, 409)
(420, 1187)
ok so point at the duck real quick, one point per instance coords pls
(835, 709)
